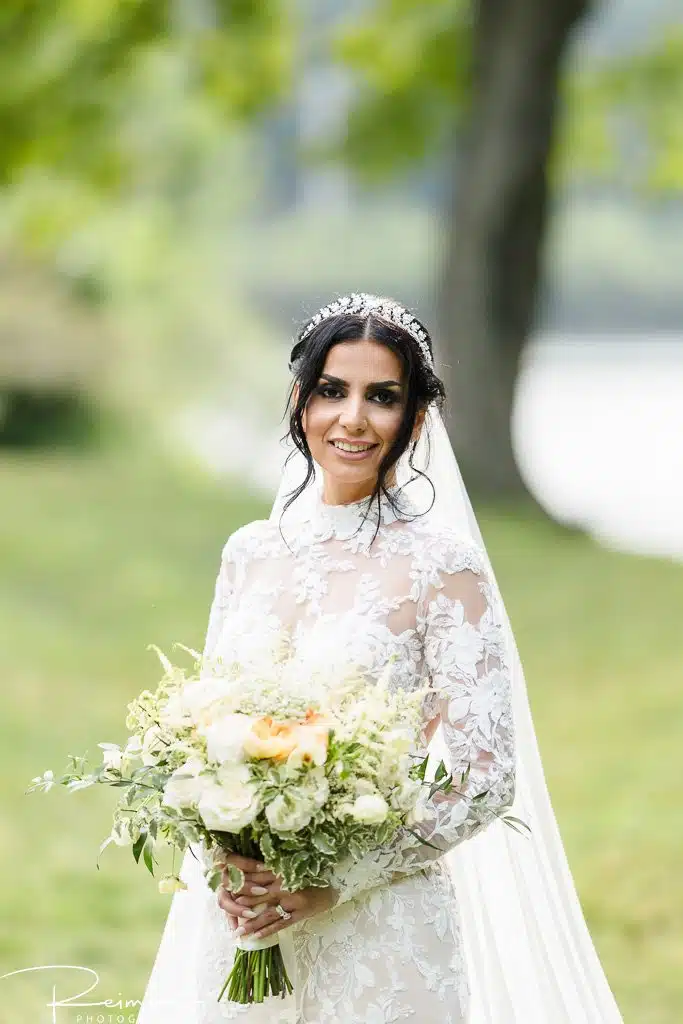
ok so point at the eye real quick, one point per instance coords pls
(328, 391)
(385, 397)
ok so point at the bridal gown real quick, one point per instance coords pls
(341, 586)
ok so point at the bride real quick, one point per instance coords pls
(372, 555)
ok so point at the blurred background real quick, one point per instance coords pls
(181, 184)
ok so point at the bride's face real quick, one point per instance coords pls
(355, 412)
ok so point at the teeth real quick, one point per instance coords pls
(352, 447)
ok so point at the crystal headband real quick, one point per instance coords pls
(361, 304)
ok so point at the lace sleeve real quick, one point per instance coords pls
(225, 582)
(464, 650)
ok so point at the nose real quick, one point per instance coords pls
(352, 415)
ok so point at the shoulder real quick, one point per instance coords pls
(448, 549)
(249, 538)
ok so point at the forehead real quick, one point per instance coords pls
(364, 361)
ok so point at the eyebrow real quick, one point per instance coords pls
(373, 384)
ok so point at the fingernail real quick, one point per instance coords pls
(249, 913)
(257, 935)
(241, 930)
(258, 890)
(261, 867)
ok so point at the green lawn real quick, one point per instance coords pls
(103, 555)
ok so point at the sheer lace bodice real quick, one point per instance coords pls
(375, 586)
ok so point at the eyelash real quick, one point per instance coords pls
(323, 390)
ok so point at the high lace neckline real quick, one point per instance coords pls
(358, 519)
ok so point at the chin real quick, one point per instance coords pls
(350, 474)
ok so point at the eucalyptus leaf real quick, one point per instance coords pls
(148, 856)
(138, 845)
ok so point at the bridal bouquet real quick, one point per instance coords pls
(295, 767)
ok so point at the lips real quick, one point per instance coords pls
(352, 446)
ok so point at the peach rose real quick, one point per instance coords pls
(269, 739)
(294, 742)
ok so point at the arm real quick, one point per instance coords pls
(223, 590)
(464, 653)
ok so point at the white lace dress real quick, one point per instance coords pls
(391, 949)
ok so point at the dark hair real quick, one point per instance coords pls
(307, 362)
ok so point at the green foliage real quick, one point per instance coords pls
(625, 116)
(68, 71)
(412, 62)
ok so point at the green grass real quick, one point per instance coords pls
(102, 555)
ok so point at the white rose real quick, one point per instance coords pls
(225, 737)
(370, 809)
(185, 792)
(232, 802)
(289, 813)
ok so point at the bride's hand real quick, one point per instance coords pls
(256, 880)
(298, 905)
(263, 887)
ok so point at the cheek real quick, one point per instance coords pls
(387, 422)
(316, 420)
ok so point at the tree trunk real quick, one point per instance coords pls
(497, 223)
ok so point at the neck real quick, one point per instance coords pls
(339, 492)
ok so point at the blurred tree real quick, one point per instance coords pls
(482, 81)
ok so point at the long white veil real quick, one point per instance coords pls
(530, 956)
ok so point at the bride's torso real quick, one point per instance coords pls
(338, 589)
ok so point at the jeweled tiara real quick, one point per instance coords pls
(362, 303)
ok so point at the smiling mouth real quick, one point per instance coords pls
(349, 446)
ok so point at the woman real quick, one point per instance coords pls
(368, 559)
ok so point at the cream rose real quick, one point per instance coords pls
(289, 813)
(225, 738)
(370, 809)
(185, 792)
(232, 802)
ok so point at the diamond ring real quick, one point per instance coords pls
(284, 914)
